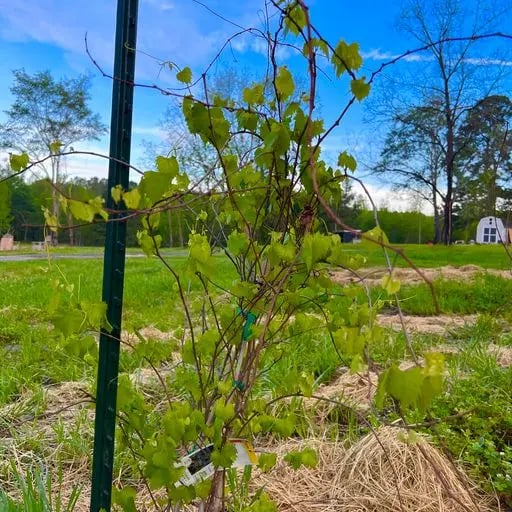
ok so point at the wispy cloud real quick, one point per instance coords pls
(379, 55)
(180, 31)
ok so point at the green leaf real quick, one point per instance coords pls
(224, 457)
(223, 411)
(247, 120)
(196, 115)
(345, 57)
(148, 243)
(185, 75)
(55, 146)
(200, 254)
(237, 243)
(266, 461)
(125, 498)
(81, 211)
(18, 162)
(50, 220)
(347, 161)
(96, 314)
(315, 248)
(306, 457)
(154, 185)
(391, 285)
(284, 83)
(116, 193)
(360, 88)
(405, 385)
(150, 222)
(278, 140)
(254, 95)
(69, 322)
(97, 205)
(132, 198)
(377, 234)
(167, 165)
(295, 19)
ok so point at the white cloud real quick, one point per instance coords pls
(150, 131)
(183, 32)
(379, 55)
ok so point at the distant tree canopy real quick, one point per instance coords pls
(46, 117)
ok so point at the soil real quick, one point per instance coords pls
(439, 324)
(373, 276)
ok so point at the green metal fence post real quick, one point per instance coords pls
(114, 259)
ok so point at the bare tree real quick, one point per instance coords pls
(450, 79)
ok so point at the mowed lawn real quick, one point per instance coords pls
(429, 256)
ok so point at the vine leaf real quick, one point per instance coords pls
(284, 83)
(81, 210)
(391, 285)
(347, 161)
(346, 57)
(377, 235)
(315, 248)
(18, 162)
(298, 458)
(132, 198)
(185, 75)
(55, 146)
(237, 243)
(360, 88)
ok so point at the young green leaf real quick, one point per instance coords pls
(117, 193)
(390, 284)
(360, 88)
(50, 220)
(81, 211)
(18, 162)
(254, 95)
(295, 19)
(377, 234)
(266, 461)
(346, 57)
(132, 198)
(284, 83)
(55, 146)
(167, 165)
(298, 458)
(347, 161)
(185, 75)
(237, 243)
(224, 457)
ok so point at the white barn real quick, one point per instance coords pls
(491, 230)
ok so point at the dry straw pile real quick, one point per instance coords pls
(380, 472)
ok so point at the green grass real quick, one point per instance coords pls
(485, 293)
(34, 355)
(37, 495)
(149, 291)
(485, 256)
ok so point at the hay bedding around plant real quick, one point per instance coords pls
(379, 473)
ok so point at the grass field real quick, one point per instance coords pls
(42, 372)
(425, 256)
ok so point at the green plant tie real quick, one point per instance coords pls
(250, 318)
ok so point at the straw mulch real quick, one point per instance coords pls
(380, 472)
(503, 354)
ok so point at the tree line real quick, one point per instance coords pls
(22, 204)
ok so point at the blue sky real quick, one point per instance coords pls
(49, 34)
